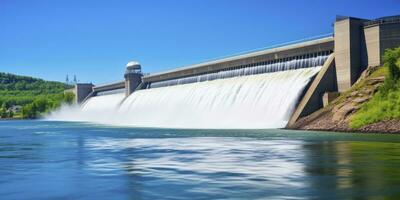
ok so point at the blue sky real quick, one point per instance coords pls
(94, 39)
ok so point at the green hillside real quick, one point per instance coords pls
(35, 95)
(385, 104)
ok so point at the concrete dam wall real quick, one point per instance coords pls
(269, 88)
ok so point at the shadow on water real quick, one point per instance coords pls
(48, 160)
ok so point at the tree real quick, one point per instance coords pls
(392, 62)
(3, 113)
(41, 104)
(6, 105)
(10, 114)
(29, 111)
(69, 97)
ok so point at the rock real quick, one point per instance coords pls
(354, 93)
(368, 91)
(374, 81)
(361, 99)
(366, 73)
(386, 126)
(343, 112)
(337, 107)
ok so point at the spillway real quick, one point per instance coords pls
(247, 102)
(103, 103)
(255, 97)
(98, 109)
(258, 101)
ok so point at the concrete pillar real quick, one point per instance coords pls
(133, 77)
(132, 81)
(372, 45)
(348, 50)
(328, 97)
(82, 90)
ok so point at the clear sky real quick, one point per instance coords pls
(94, 39)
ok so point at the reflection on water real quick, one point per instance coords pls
(54, 160)
(356, 169)
(249, 164)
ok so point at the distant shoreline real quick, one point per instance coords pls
(12, 119)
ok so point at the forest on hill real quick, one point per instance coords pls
(28, 97)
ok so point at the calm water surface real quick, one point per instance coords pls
(57, 160)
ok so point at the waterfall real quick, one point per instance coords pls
(255, 97)
(258, 101)
(247, 102)
(103, 103)
(98, 109)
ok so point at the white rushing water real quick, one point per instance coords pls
(99, 109)
(245, 102)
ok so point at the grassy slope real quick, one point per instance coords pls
(362, 83)
(384, 105)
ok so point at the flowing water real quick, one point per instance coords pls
(67, 160)
(245, 102)
(103, 104)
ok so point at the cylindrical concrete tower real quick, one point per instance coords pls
(133, 77)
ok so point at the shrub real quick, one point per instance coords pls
(385, 104)
(391, 60)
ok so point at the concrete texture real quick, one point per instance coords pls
(108, 87)
(81, 91)
(328, 97)
(132, 81)
(348, 38)
(389, 36)
(312, 99)
(378, 38)
(372, 42)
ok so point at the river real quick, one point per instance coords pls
(69, 160)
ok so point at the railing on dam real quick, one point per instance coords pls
(308, 39)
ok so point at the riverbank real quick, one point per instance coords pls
(337, 116)
(12, 119)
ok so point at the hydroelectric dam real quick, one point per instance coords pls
(268, 88)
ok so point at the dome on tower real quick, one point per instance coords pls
(133, 65)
